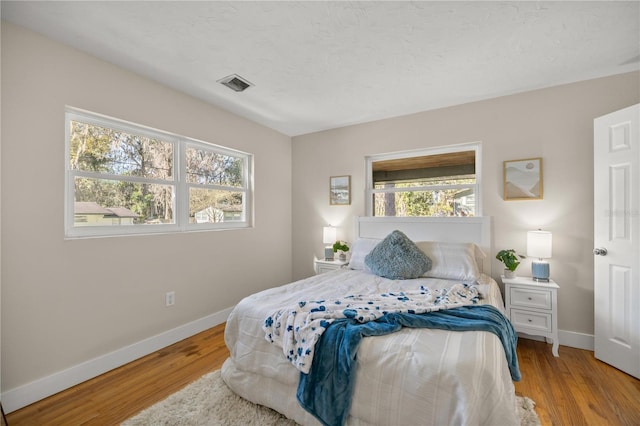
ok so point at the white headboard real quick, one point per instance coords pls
(453, 229)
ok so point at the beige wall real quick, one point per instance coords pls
(555, 124)
(66, 302)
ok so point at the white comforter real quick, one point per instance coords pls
(413, 377)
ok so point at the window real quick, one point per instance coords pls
(441, 181)
(122, 178)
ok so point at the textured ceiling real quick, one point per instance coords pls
(321, 65)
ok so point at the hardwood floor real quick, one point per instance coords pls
(117, 395)
(574, 389)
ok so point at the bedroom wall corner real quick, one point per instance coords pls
(67, 302)
(554, 123)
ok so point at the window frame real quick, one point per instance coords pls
(446, 149)
(179, 182)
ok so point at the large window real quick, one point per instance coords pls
(122, 178)
(441, 181)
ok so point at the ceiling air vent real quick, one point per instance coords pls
(235, 82)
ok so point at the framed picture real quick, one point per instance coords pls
(523, 179)
(340, 190)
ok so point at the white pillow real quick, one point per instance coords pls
(453, 261)
(479, 256)
(361, 248)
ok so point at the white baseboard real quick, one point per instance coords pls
(577, 340)
(24, 395)
(569, 338)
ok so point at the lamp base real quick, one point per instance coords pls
(540, 280)
(540, 271)
(328, 253)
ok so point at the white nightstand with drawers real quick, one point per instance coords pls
(321, 266)
(532, 307)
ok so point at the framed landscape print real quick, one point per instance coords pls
(523, 179)
(340, 190)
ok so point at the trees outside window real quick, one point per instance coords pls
(430, 182)
(123, 178)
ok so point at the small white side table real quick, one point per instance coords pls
(532, 307)
(321, 266)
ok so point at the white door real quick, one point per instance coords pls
(617, 239)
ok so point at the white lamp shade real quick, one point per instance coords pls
(329, 234)
(539, 244)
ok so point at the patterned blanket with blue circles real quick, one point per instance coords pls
(296, 329)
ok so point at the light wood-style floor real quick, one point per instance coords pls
(574, 389)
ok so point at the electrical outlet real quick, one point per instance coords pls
(170, 298)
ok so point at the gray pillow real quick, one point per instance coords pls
(397, 258)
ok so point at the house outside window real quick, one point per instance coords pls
(440, 182)
(123, 178)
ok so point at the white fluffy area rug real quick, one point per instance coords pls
(209, 402)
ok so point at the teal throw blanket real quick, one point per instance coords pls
(326, 390)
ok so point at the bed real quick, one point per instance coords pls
(410, 377)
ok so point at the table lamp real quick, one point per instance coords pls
(329, 237)
(539, 246)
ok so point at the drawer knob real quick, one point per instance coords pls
(529, 298)
(529, 319)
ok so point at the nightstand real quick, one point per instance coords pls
(321, 266)
(532, 307)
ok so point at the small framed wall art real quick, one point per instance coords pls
(523, 179)
(340, 190)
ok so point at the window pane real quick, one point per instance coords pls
(128, 175)
(213, 206)
(428, 182)
(99, 149)
(104, 202)
(453, 202)
(208, 167)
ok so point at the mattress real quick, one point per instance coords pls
(414, 376)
